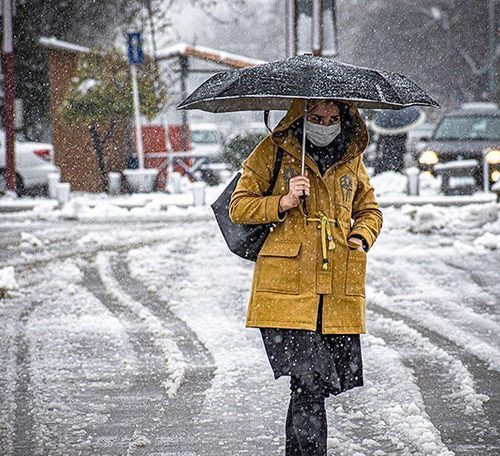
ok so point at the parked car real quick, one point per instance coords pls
(461, 142)
(34, 161)
(206, 141)
(207, 150)
(418, 137)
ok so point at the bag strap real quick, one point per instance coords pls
(276, 170)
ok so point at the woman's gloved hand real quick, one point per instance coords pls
(297, 185)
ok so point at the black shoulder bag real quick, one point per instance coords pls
(242, 239)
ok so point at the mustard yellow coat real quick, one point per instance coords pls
(303, 258)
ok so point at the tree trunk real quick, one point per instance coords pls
(99, 142)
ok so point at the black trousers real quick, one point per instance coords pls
(306, 425)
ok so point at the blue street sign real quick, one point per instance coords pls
(134, 48)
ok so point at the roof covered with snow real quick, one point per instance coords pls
(209, 54)
(55, 43)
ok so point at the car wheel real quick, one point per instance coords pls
(3, 183)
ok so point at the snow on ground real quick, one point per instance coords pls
(394, 184)
(71, 357)
(389, 183)
(174, 360)
(62, 330)
(390, 407)
(461, 380)
(8, 282)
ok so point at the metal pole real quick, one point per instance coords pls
(492, 39)
(291, 32)
(8, 63)
(316, 27)
(153, 44)
(303, 164)
(335, 31)
(184, 75)
(486, 175)
(137, 117)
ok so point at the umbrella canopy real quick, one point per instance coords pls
(397, 122)
(273, 85)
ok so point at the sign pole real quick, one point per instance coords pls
(8, 64)
(135, 57)
(137, 116)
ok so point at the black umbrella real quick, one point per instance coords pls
(393, 122)
(273, 85)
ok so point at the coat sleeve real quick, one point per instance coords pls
(248, 205)
(365, 209)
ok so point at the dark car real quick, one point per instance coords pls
(463, 142)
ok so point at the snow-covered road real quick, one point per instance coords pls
(128, 338)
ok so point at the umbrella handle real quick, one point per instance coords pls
(304, 205)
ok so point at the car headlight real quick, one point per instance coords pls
(428, 157)
(492, 156)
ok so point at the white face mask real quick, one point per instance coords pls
(322, 135)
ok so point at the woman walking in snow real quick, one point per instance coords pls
(308, 288)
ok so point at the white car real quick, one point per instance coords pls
(206, 141)
(34, 161)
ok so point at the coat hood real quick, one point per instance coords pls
(358, 139)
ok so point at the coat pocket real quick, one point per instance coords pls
(278, 267)
(355, 273)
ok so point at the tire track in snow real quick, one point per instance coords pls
(24, 438)
(162, 337)
(487, 382)
(447, 387)
(82, 239)
(424, 292)
(155, 428)
(187, 340)
(135, 407)
(138, 401)
(484, 273)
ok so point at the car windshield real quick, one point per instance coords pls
(204, 136)
(469, 127)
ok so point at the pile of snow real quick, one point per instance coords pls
(389, 183)
(158, 206)
(30, 240)
(429, 185)
(430, 218)
(488, 241)
(392, 183)
(427, 219)
(8, 282)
